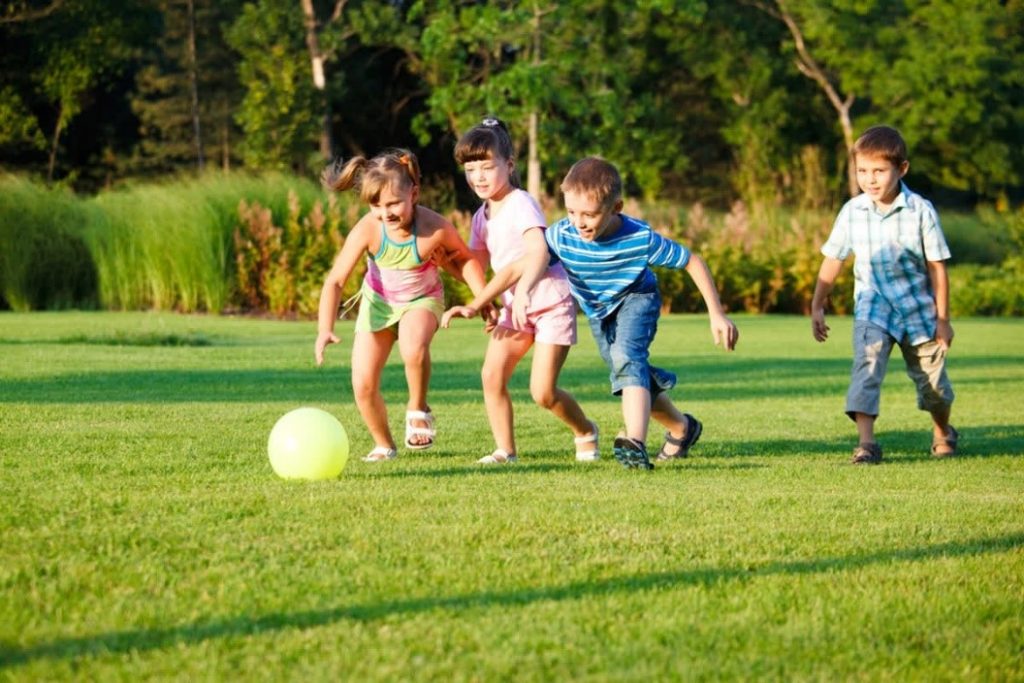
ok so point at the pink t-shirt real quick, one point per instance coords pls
(502, 237)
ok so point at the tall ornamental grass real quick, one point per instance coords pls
(44, 263)
(170, 246)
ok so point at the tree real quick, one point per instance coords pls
(187, 91)
(278, 113)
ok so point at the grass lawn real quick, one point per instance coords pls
(144, 535)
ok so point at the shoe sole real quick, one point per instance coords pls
(630, 457)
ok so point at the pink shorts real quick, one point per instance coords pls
(553, 325)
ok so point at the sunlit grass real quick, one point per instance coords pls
(145, 535)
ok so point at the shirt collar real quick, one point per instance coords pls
(863, 201)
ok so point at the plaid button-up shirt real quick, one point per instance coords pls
(892, 288)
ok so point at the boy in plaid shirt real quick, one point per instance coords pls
(901, 291)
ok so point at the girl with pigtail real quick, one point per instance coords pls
(509, 225)
(402, 297)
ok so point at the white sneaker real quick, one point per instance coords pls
(498, 457)
(380, 454)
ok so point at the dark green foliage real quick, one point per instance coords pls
(164, 90)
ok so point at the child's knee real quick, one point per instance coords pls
(492, 378)
(415, 354)
(544, 396)
(364, 387)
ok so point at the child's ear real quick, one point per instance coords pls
(904, 167)
(618, 206)
(415, 194)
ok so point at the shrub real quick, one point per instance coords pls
(762, 263)
(281, 269)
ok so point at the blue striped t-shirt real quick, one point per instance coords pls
(601, 273)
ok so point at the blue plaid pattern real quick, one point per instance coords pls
(891, 284)
(601, 273)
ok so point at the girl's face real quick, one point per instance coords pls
(489, 177)
(394, 207)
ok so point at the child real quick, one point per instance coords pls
(402, 296)
(607, 257)
(509, 225)
(901, 291)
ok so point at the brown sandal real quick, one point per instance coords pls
(945, 442)
(867, 454)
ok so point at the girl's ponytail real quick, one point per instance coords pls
(340, 177)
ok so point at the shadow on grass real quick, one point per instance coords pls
(140, 640)
(469, 469)
(904, 446)
(732, 378)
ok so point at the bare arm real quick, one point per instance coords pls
(827, 274)
(535, 265)
(723, 330)
(940, 286)
(356, 244)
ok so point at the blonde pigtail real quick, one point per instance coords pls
(342, 176)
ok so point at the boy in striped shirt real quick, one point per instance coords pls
(608, 257)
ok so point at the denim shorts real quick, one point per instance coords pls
(624, 341)
(926, 366)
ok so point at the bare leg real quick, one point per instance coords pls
(636, 411)
(666, 413)
(548, 360)
(370, 350)
(865, 427)
(415, 332)
(504, 352)
(940, 430)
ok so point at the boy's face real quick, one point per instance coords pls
(590, 217)
(879, 178)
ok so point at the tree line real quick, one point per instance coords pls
(693, 99)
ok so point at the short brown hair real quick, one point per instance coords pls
(595, 177)
(882, 141)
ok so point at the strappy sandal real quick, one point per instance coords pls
(411, 430)
(380, 454)
(867, 454)
(694, 428)
(946, 442)
(594, 453)
(499, 457)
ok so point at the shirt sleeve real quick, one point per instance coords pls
(526, 213)
(837, 245)
(935, 247)
(662, 251)
(551, 237)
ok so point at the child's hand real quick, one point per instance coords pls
(944, 334)
(490, 315)
(520, 302)
(461, 311)
(818, 326)
(323, 339)
(724, 332)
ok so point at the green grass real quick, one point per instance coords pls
(146, 537)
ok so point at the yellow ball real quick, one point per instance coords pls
(308, 443)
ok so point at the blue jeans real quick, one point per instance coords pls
(624, 339)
